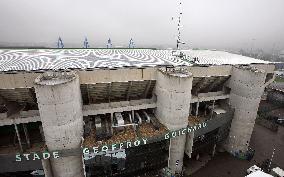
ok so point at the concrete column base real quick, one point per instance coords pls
(60, 107)
(47, 168)
(173, 90)
(189, 143)
(68, 166)
(176, 153)
(247, 86)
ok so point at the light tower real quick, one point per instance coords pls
(109, 44)
(60, 43)
(86, 43)
(131, 44)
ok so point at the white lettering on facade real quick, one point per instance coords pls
(55, 155)
(136, 143)
(18, 158)
(105, 149)
(36, 157)
(128, 144)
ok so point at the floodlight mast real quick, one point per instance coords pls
(86, 43)
(60, 43)
(109, 44)
(131, 44)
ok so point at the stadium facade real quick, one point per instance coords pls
(148, 106)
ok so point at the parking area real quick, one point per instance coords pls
(263, 141)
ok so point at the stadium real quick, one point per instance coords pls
(124, 112)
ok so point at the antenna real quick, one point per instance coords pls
(60, 43)
(131, 44)
(86, 43)
(178, 53)
(179, 26)
(109, 44)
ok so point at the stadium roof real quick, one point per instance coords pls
(60, 59)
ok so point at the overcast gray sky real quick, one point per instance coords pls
(206, 23)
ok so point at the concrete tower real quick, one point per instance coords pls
(60, 106)
(173, 90)
(247, 86)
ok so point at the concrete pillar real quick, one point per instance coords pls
(46, 167)
(132, 113)
(19, 137)
(247, 86)
(213, 107)
(41, 132)
(111, 122)
(214, 150)
(173, 90)
(27, 136)
(60, 107)
(190, 109)
(189, 143)
(197, 108)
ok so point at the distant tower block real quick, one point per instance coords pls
(60, 106)
(247, 86)
(173, 90)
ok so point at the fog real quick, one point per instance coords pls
(219, 24)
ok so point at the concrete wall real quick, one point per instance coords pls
(173, 92)
(60, 106)
(247, 86)
(26, 80)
